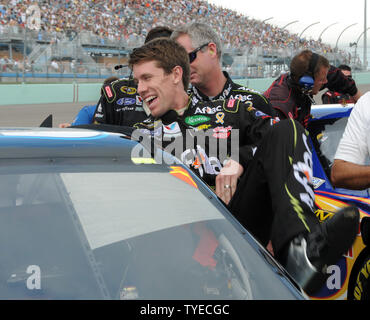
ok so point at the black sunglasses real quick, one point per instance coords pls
(193, 54)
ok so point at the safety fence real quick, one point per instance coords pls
(36, 93)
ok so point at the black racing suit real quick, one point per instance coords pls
(119, 104)
(232, 90)
(287, 99)
(274, 198)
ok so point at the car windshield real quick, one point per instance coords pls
(329, 136)
(111, 230)
(326, 135)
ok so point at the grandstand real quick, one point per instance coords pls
(84, 39)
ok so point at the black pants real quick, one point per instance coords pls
(274, 199)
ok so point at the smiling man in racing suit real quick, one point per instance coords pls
(119, 103)
(274, 198)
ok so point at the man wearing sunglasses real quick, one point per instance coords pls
(208, 81)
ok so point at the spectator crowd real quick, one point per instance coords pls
(124, 18)
(130, 21)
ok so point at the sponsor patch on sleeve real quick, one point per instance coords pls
(231, 105)
(109, 93)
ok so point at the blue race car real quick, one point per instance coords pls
(86, 214)
(349, 278)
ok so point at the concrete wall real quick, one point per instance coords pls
(48, 93)
(263, 84)
(256, 84)
(83, 92)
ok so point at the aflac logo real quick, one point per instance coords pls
(208, 110)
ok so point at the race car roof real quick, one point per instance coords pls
(326, 111)
(56, 142)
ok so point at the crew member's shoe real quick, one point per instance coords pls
(309, 256)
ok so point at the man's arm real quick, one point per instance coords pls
(337, 81)
(350, 169)
(349, 175)
(102, 114)
(227, 180)
(85, 115)
(253, 126)
(357, 95)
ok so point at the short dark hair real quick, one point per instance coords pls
(109, 80)
(158, 32)
(344, 67)
(167, 53)
(300, 64)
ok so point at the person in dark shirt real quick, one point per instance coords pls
(208, 81)
(330, 96)
(265, 180)
(86, 113)
(291, 95)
